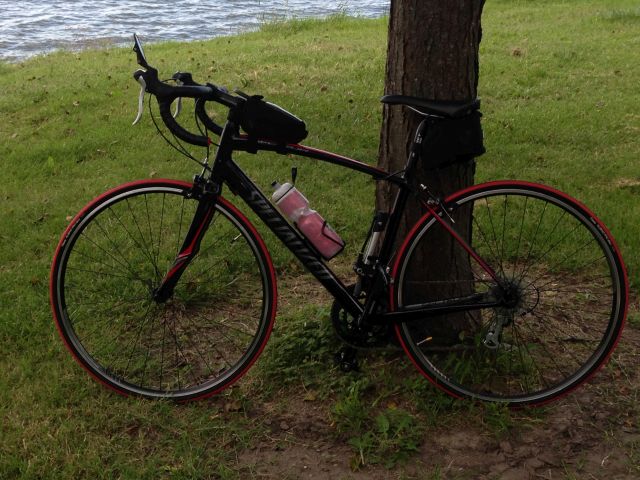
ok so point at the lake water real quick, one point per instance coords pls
(33, 27)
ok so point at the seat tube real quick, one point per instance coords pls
(403, 194)
(414, 153)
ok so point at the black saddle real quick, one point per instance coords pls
(447, 109)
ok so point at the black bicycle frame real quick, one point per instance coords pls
(226, 171)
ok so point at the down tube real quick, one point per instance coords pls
(241, 185)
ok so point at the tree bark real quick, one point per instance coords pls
(432, 54)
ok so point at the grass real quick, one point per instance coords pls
(558, 85)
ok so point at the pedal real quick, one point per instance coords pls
(346, 359)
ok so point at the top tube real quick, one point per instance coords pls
(243, 143)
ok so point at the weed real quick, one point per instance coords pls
(430, 402)
(350, 412)
(621, 15)
(302, 349)
(633, 456)
(386, 437)
(634, 317)
(497, 417)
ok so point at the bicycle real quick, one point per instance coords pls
(164, 289)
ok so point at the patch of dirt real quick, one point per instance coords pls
(301, 443)
(627, 183)
(593, 433)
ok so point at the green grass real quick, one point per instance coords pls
(559, 91)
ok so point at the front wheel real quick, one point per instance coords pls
(108, 267)
(561, 282)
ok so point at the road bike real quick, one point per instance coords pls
(164, 289)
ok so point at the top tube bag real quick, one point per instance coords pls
(266, 121)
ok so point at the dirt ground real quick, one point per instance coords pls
(593, 433)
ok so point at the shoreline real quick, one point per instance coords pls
(119, 39)
(105, 44)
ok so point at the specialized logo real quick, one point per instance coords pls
(289, 237)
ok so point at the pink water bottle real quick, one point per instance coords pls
(310, 223)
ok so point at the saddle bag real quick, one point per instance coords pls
(452, 140)
(266, 121)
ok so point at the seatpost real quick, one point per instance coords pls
(403, 193)
(414, 152)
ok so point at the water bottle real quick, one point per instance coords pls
(310, 223)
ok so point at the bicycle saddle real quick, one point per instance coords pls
(449, 109)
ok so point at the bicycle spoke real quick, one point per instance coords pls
(574, 272)
(137, 339)
(157, 255)
(493, 230)
(504, 220)
(519, 341)
(549, 355)
(130, 235)
(533, 240)
(204, 358)
(558, 292)
(110, 271)
(559, 320)
(146, 248)
(179, 238)
(552, 247)
(123, 263)
(566, 350)
(524, 213)
(493, 255)
(573, 309)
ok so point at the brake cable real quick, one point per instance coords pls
(180, 147)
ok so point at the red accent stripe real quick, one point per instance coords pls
(341, 157)
(182, 256)
(508, 183)
(318, 151)
(126, 186)
(191, 247)
(464, 245)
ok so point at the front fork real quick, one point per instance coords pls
(206, 193)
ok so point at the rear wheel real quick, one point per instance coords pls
(112, 259)
(562, 281)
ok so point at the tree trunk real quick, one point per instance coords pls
(432, 54)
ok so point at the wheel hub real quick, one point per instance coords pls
(518, 297)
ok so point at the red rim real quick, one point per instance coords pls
(163, 182)
(510, 183)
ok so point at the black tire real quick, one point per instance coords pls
(108, 264)
(569, 288)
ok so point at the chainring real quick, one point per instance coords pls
(359, 336)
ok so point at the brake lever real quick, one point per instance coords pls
(179, 103)
(143, 84)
